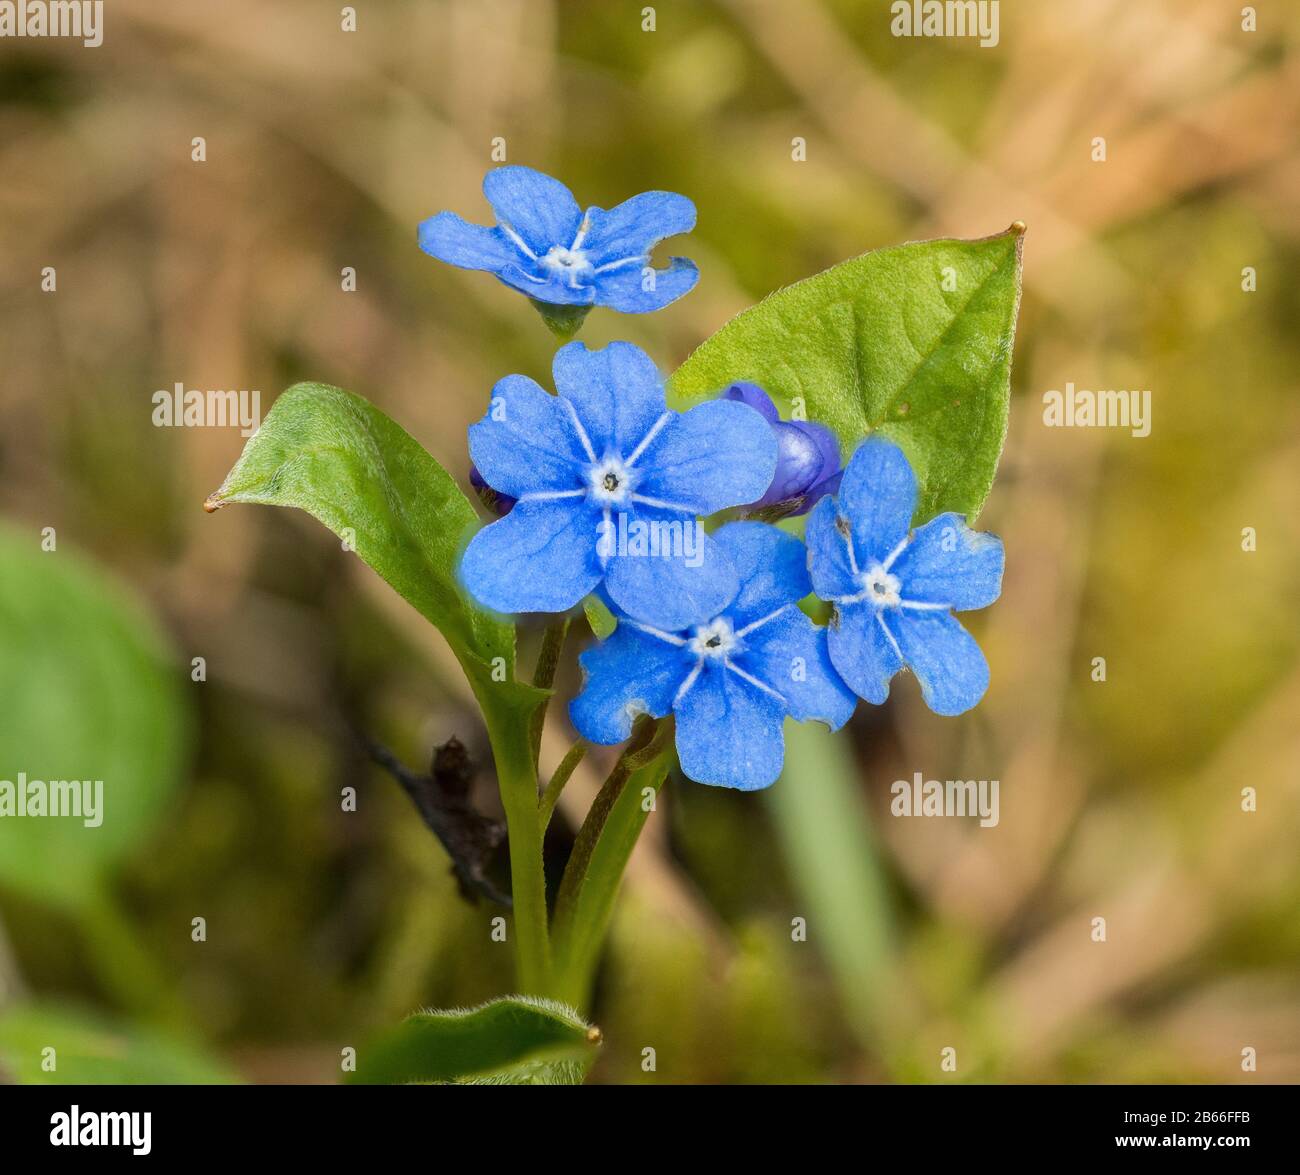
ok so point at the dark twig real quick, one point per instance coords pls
(442, 799)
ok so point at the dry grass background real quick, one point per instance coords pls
(1118, 799)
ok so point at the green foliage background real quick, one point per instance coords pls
(324, 149)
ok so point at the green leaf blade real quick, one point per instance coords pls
(913, 342)
(513, 1040)
(336, 456)
(91, 1050)
(88, 688)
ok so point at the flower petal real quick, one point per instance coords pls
(798, 464)
(541, 557)
(545, 286)
(717, 454)
(829, 485)
(772, 566)
(878, 496)
(665, 590)
(829, 558)
(948, 563)
(945, 658)
(539, 209)
(616, 391)
(639, 289)
(862, 651)
(634, 227)
(826, 443)
(729, 732)
(629, 673)
(526, 443)
(471, 246)
(790, 654)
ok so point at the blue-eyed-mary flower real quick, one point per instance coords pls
(808, 458)
(609, 485)
(544, 245)
(731, 677)
(895, 589)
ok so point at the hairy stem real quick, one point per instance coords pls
(546, 805)
(579, 942)
(517, 780)
(600, 855)
(548, 660)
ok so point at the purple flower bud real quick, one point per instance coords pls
(500, 504)
(808, 461)
(755, 397)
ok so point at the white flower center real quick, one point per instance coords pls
(567, 261)
(610, 481)
(715, 639)
(880, 588)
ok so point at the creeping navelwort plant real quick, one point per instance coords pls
(667, 516)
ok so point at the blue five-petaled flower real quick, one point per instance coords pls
(730, 675)
(544, 245)
(895, 590)
(610, 484)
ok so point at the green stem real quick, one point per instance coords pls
(512, 748)
(548, 660)
(600, 855)
(546, 805)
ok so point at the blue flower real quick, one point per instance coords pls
(545, 245)
(895, 590)
(808, 458)
(609, 483)
(729, 680)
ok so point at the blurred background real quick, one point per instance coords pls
(1120, 799)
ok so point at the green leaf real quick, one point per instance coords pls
(91, 1051)
(88, 693)
(516, 1040)
(826, 836)
(912, 342)
(334, 455)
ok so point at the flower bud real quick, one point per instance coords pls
(808, 458)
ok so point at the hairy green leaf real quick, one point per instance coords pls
(336, 456)
(510, 1041)
(912, 342)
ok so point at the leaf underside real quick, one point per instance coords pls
(510, 1041)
